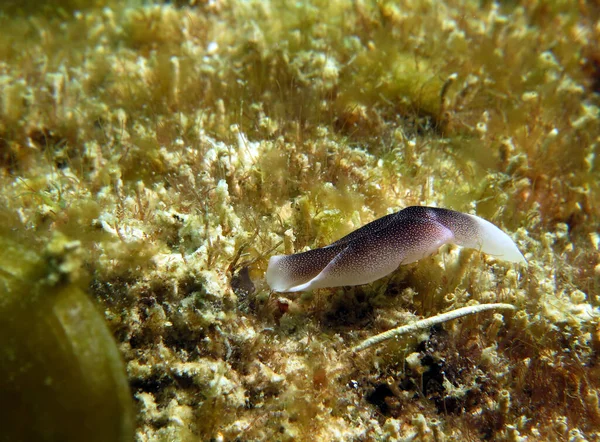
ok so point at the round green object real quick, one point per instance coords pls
(61, 374)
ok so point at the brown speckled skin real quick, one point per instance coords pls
(459, 223)
(379, 247)
(304, 266)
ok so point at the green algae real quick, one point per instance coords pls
(183, 144)
(61, 374)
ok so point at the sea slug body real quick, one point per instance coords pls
(378, 248)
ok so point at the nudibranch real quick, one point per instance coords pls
(378, 248)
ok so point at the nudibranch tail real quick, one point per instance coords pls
(378, 248)
(495, 242)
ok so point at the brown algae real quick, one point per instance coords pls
(181, 144)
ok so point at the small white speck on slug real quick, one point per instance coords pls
(378, 248)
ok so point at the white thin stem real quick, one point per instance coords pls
(429, 322)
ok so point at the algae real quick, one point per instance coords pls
(61, 373)
(181, 144)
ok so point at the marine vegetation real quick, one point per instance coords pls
(154, 155)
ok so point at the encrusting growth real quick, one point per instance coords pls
(378, 248)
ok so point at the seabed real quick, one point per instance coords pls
(153, 156)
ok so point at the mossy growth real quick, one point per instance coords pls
(181, 144)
